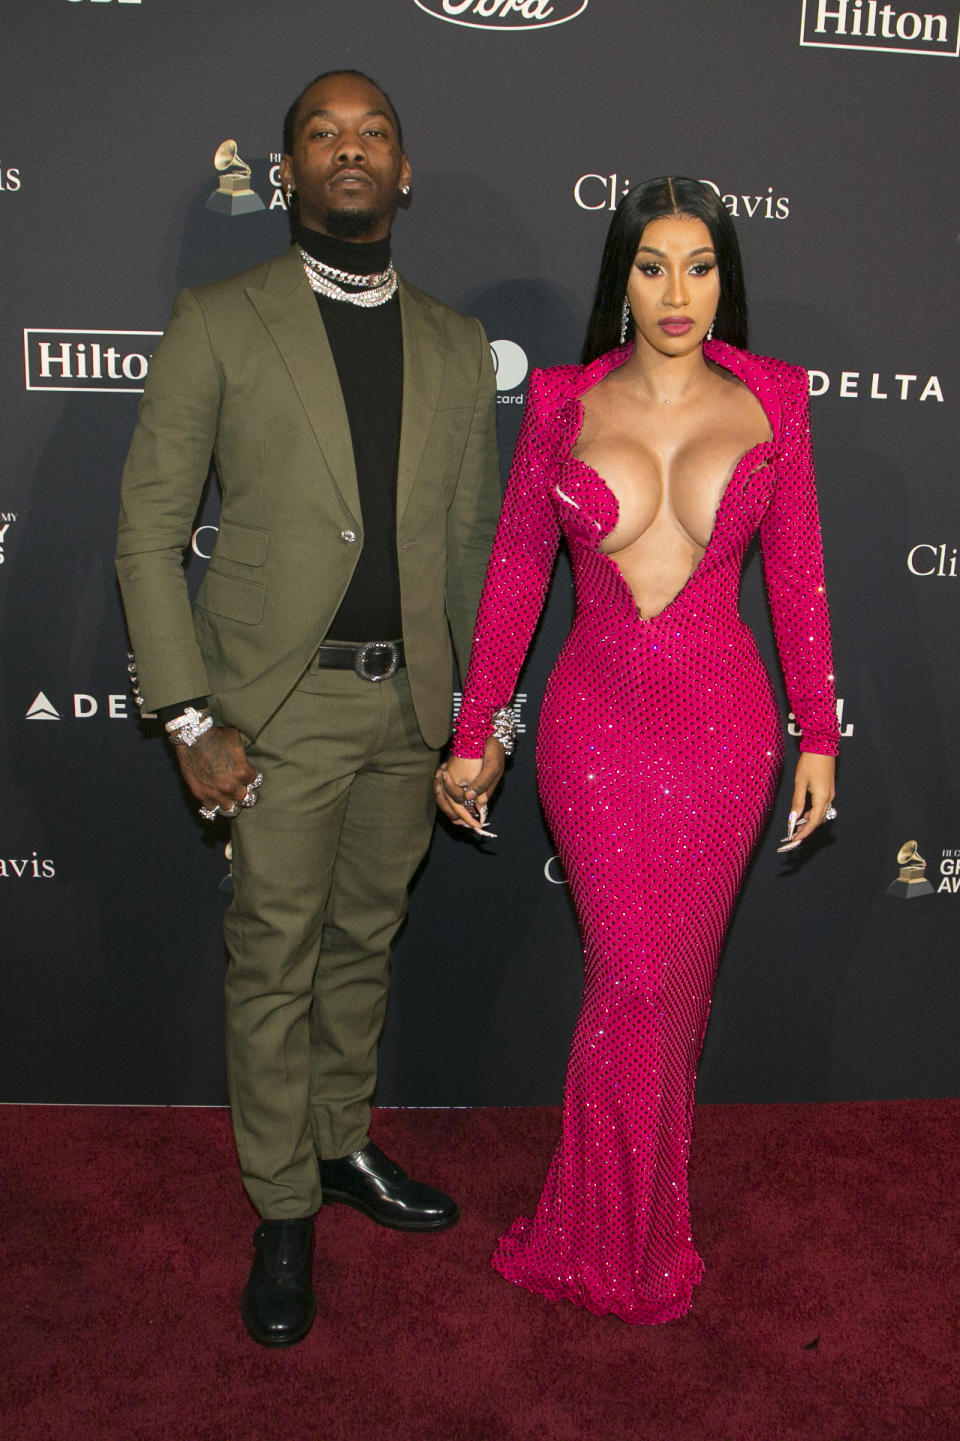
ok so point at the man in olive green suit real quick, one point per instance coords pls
(308, 689)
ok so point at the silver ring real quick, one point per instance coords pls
(208, 813)
(256, 782)
(250, 799)
(830, 814)
(233, 811)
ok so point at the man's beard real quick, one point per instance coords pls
(351, 224)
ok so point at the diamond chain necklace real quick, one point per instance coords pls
(327, 280)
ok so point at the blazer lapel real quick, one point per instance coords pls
(287, 308)
(423, 361)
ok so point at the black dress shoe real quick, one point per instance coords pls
(278, 1304)
(378, 1187)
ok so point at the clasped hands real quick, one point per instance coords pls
(462, 787)
(218, 773)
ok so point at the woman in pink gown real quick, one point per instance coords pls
(660, 742)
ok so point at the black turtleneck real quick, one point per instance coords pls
(368, 352)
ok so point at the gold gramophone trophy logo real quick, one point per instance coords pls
(233, 195)
(912, 880)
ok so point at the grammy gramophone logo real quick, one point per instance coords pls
(912, 880)
(233, 196)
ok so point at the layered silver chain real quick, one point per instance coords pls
(371, 289)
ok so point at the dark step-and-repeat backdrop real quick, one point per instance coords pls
(829, 127)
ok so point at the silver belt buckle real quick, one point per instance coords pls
(366, 650)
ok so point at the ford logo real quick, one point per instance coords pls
(504, 14)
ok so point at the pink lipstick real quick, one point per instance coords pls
(676, 325)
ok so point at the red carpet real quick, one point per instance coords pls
(829, 1310)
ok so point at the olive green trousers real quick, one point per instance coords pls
(321, 867)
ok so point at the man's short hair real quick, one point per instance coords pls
(290, 119)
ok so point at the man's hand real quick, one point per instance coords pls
(216, 768)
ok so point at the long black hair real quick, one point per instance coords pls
(668, 195)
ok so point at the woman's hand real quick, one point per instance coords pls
(462, 787)
(813, 777)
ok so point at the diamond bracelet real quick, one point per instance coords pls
(505, 728)
(186, 729)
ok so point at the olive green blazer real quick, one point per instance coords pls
(244, 373)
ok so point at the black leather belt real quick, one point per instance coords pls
(374, 660)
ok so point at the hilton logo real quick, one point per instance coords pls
(88, 359)
(868, 25)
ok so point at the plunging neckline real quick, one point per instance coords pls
(602, 534)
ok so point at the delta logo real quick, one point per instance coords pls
(82, 707)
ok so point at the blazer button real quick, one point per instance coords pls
(348, 535)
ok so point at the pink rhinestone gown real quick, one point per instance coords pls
(658, 749)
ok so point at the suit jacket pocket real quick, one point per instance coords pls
(245, 544)
(241, 600)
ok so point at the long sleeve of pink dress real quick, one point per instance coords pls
(658, 749)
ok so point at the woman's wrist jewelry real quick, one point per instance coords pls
(504, 730)
(186, 729)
